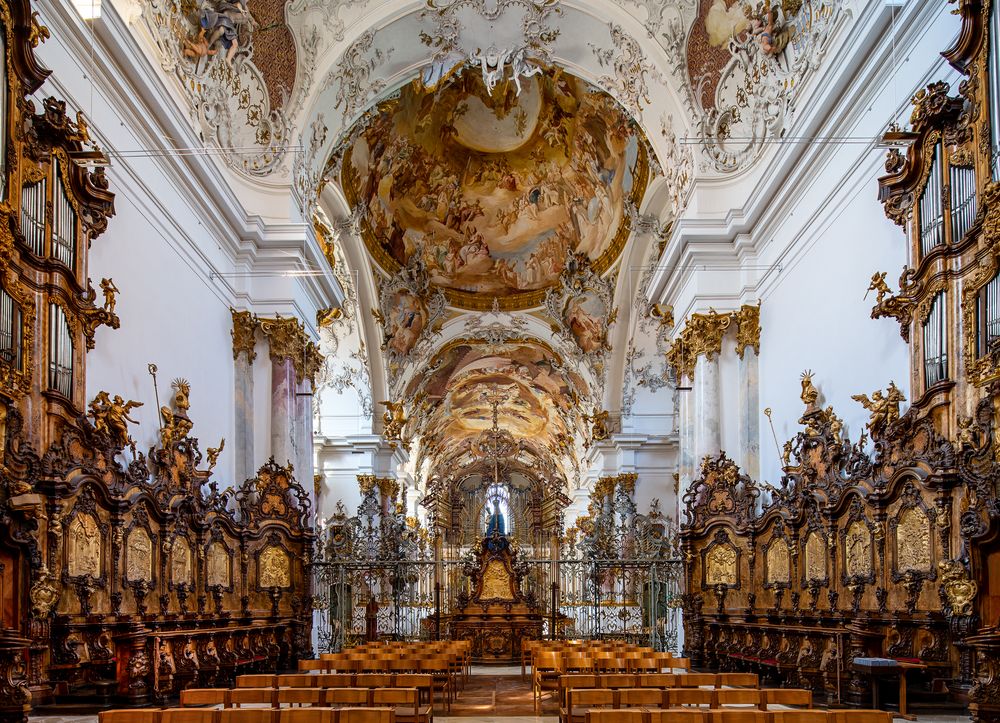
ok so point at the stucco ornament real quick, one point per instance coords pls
(210, 53)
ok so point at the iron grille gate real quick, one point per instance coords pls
(637, 600)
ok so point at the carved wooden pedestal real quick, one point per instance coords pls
(984, 697)
(15, 698)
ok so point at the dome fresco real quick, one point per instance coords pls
(493, 193)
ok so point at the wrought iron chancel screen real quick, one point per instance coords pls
(379, 573)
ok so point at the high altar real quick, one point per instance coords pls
(495, 614)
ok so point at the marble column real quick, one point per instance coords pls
(283, 405)
(244, 329)
(749, 418)
(687, 461)
(707, 423)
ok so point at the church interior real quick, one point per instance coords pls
(552, 361)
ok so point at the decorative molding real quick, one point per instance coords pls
(702, 336)
(629, 68)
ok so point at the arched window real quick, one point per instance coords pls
(935, 343)
(10, 330)
(60, 352)
(988, 316)
(497, 503)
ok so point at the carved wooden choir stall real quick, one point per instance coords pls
(123, 576)
(495, 614)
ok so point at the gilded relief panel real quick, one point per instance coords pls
(913, 541)
(815, 557)
(180, 562)
(779, 568)
(218, 568)
(496, 582)
(84, 551)
(858, 551)
(273, 568)
(720, 565)
(138, 556)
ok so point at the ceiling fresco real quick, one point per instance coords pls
(492, 194)
(539, 395)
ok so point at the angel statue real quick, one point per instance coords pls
(111, 416)
(176, 422)
(220, 24)
(884, 408)
(599, 424)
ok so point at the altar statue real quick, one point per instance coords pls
(496, 522)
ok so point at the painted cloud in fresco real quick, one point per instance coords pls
(493, 194)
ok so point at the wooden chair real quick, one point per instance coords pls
(255, 681)
(346, 697)
(204, 696)
(614, 716)
(420, 681)
(307, 715)
(679, 664)
(187, 715)
(677, 715)
(855, 716)
(644, 665)
(307, 665)
(299, 696)
(247, 715)
(682, 697)
(811, 715)
(239, 697)
(736, 680)
(293, 681)
(785, 696)
(576, 680)
(406, 703)
(581, 700)
(578, 664)
(641, 698)
(694, 680)
(545, 672)
(656, 680)
(367, 715)
(373, 680)
(135, 715)
(738, 716)
(440, 673)
(738, 696)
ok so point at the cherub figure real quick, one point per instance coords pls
(879, 286)
(213, 454)
(109, 289)
(884, 408)
(393, 420)
(111, 416)
(598, 424)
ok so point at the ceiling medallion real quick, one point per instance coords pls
(495, 193)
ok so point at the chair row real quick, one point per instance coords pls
(250, 715)
(660, 680)
(689, 715)
(407, 700)
(337, 680)
(407, 664)
(577, 699)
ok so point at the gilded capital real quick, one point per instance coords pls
(388, 487)
(366, 483)
(702, 336)
(244, 327)
(626, 482)
(747, 328)
(287, 339)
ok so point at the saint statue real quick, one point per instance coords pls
(495, 525)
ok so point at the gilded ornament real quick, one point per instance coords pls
(496, 582)
(39, 33)
(110, 290)
(393, 420)
(138, 556)
(84, 553)
(720, 565)
(702, 336)
(366, 483)
(245, 326)
(325, 317)
(598, 424)
(213, 454)
(747, 328)
(180, 562)
(815, 557)
(663, 312)
(273, 568)
(960, 590)
(217, 565)
(778, 562)
(858, 551)
(44, 594)
(913, 541)
(287, 340)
